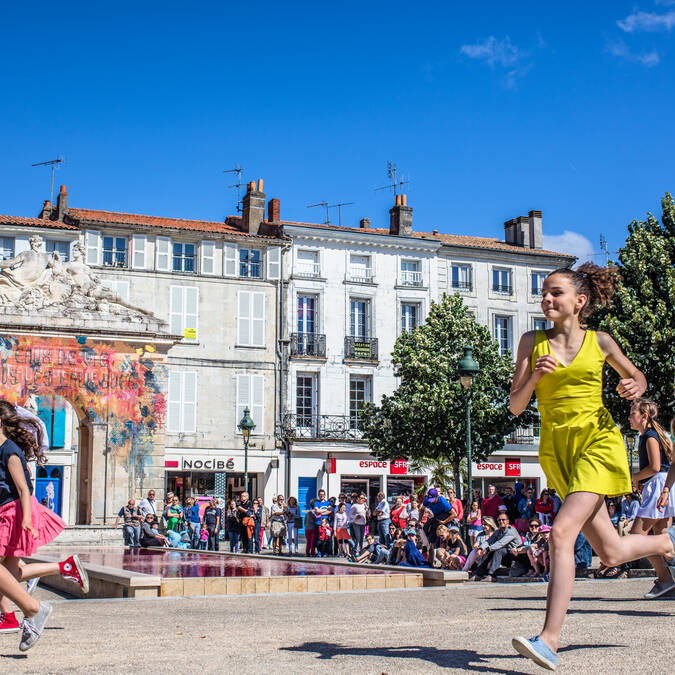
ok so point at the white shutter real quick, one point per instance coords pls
(176, 304)
(138, 256)
(163, 254)
(244, 318)
(274, 262)
(119, 286)
(229, 259)
(22, 244)
(243, 397)
(258, 402)
(92, 244)
(258, 320)
(189, 403)
(173, 412)
(208, 252)
(191, 313)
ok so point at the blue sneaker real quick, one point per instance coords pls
(537, 650)
(31, 585)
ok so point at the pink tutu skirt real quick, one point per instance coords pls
(17, 542)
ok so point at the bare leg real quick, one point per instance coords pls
(645, 526)
(12, 591)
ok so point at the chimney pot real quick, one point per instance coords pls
(397, 201)
(364, 224)
(63, 189)
(260, 184)
(251, 186)
(404, 200)
(434, 232)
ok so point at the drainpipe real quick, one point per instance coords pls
(281, 355)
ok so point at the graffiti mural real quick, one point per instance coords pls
(111, 382)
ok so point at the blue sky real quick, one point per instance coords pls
(491, 109)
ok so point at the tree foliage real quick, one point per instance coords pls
(641, 317)
(425, 419)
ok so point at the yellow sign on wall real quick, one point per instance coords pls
(190, 333)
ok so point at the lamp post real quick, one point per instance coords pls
(246, 426)
(468, 369)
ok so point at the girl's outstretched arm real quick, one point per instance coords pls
(16, 471)
(632, 383)
(524, 380)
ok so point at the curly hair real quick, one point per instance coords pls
(595, 282)
(647, 407)
(14, 427)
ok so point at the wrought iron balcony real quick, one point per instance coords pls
(308, 344)
(462, 285)
(524, 436)
(363, 275)
(307, 269)
(361, 348)
(504, 290)
(340, 427)
(409, 278)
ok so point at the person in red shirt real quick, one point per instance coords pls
(543, 507)
(491, 503)
(456, 504)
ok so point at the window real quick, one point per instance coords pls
(410, 316)
(6, 248)
(410, 273)
(182, 410)
(541, 324)
(183, 257)
(120, 287)
(306, 314)
(503, 333)
(60, 247)
(250, 263)
(360, 269)
(115, 251)
(501, 281)
(359, 318)
(461, 277)
(250, 394)
(183, 311)
(359, 395)
(251, 319)
(307, 264)
(537, 282)
(305, 401)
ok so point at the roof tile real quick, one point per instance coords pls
(36, 222)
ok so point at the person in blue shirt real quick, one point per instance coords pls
(442, 512)
(194, 521)
(322, 508)
(413, 557)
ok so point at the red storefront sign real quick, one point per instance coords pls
(512, 466)
(330, 465)
(398, 466)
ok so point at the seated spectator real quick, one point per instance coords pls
(520, 563)
(497, 549)
(150, 536)
(583, 555)
(399, 514)
(613, 513)
(629, 508)
(370, 552)
(473, 519)
(489, 528)
(397, 554)
(620, 571)
(325, 538)
(537, 552)
(543, 507)
(452, 552)
(413, 556)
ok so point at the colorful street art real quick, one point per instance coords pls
(111, 382)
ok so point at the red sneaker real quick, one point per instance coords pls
(72, 569)
(8, 623)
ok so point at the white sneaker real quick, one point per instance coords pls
(33, 627)
(660, 588)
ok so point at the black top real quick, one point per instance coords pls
(643, 456)
(210, 516)
(244, 505)
(8, 491)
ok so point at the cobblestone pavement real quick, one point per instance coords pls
(610, 629)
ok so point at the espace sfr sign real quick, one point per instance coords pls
(509, 467)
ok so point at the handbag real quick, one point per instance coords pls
(297, 522)
(247, 521)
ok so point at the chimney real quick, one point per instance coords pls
(274, 210)
(364, 223)
(62, 203)
(46, 210)
(536, 230)
(400, 217)
(253, 212)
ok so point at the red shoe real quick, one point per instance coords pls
(72, 569)
(8, 623)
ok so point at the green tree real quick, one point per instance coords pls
(641, 317)
(425, 418)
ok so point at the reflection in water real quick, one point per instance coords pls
(173, 563)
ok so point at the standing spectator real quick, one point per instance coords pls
(490, 505)
(629, 508)
(525, 510)
(168, 501)
(148, 505)
(132, 523)
(212, 524)
(357, 518)
(232, 526)
(203, 537)
(174, 515)
(382, 513)
(557, 502)
(293, 524)
(399, 514)
(341, 530)
(442, 513)
(257, 518)
(270, 537)
(496, 550)
(311, 530)
(278, 514)
(543, 507)
(322, 507)
(414, 510)
(264, 522)
(474, 520)
(246, 524)
(325, 538)
(456, 505)
(511, 502)
(193, 520)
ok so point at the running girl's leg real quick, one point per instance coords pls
(645, 526)
(13, 591)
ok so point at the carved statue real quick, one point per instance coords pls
(22, 271)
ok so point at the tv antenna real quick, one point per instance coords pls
(339, 208)
(54, 164)
(603, 248)
(238, 170)
(325, 205)
(392, 173)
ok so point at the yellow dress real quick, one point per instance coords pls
(580, 447)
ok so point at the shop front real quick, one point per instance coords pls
(505, 471)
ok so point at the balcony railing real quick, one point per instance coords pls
(307, 269)
(361, 348)
(308, 344)
(362, 275)
(504, 290)
(340, 427)
(409, 278)
(462, 285)
(524, 436)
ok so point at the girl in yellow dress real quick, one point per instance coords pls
(580, 449)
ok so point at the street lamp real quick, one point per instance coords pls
(468, 369)
(246, 426)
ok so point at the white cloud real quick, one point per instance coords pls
(572, 243)
(621, 50)
(494, 52)
(647, 21)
